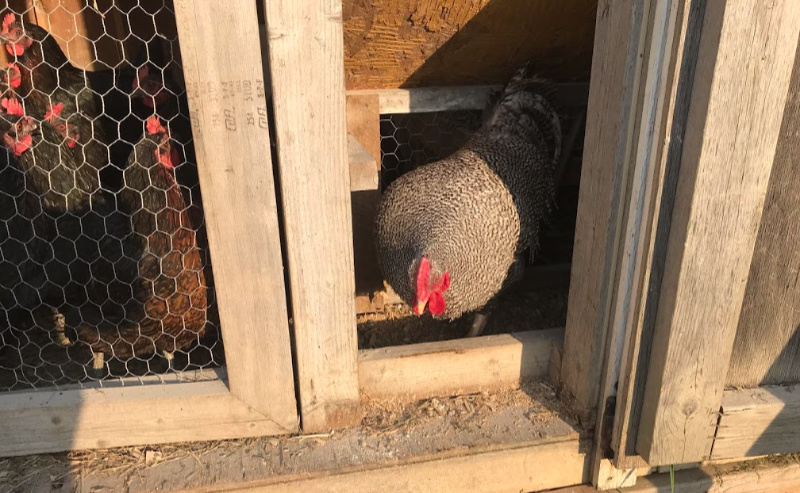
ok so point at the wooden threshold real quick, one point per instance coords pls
(458, 366)
(148, 411)
(532, 467)
(757, 422)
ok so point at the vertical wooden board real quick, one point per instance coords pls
(306, 57)
(363, 124)
(679, 78)
(602, 182)
(417, 43)
(767, 346)
(739, 93)
(222, 67)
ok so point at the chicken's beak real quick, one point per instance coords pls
(420, 308)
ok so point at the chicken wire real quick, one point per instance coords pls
(121, 283)
(414, 139)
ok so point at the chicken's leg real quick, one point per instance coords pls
(169, 356)
(59, 326)
(478, 324)
(98, 364)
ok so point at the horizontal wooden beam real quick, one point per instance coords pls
(757, 422)
(430, 369)
(530, 467)
(737, 477)
(145, 412)
(454, 98)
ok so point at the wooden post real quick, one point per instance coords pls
(363, 128)
(307, 61)
(743, 70)
(223, 72)
(609, 128)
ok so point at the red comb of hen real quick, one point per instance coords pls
(7, 20)
(55, 110)
(154, 125)
(12, 106)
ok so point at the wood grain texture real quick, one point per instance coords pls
(58, 420)
(401, 43)
(731, 134)
(434, 369)
(306, 56)
(228, 111)
(767, 346)
(771, 475)
(528, 467)
(600, 206)
(757, 422)
(679, 57)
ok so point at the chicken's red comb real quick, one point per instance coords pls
(12, 106)
(7, 21)
(154, 125)
(55, 109)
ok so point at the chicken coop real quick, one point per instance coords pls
(189, 193)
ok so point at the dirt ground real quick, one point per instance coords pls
(390, 431)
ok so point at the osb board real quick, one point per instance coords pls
(391, 433)
(411, 43)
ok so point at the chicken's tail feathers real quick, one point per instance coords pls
(527, 107)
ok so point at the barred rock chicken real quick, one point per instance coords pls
(451, 234)
(163, 289)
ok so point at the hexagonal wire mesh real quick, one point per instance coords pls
(411, 140)
(104, 266)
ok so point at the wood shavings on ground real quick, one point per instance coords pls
(390, 431)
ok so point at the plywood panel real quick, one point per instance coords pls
(767, 346)
(405, 43)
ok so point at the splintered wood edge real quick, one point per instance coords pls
(477, 364)
(758, 421)
(147, 413)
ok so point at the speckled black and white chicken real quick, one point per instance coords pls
(452, 234)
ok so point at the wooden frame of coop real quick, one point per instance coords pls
(658, 280)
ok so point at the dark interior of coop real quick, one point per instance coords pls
(121, 45)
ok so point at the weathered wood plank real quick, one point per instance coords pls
(454, 98)
(447, 368)
(557, 463)
(400, 43)
(767, 346)
(729, 147)
(306, 55)
(680, 51)
(612, 92)
(757, 422)
(239, 199)
(59, 420)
